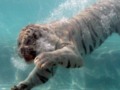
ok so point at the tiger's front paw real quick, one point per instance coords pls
(14, 88)
(20, 87)
(45, 60)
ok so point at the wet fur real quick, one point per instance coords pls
(65, 42)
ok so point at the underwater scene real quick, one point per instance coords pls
(101, 70)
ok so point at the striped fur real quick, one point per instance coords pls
(69, 39)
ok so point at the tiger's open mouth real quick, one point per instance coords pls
(29, 56)
(27, 53)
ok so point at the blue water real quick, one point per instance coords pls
(101, 68)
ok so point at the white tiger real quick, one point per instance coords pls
(65, 42)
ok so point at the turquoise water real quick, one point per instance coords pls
(101, 68)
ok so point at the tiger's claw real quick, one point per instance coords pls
(21, 87)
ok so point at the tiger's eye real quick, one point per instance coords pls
(35, 36)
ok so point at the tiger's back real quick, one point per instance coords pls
(89, 29)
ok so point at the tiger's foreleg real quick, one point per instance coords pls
(68, 56)
(36, 77)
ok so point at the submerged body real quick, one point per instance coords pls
(65, 42)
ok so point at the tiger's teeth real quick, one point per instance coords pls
(43, 65)
(36, 61)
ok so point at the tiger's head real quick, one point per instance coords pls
(32, 40)
(27, 42)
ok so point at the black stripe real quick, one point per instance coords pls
(96, 21)
(92, 36)
(75, 66)
(42, 78)
(90, 48)
(104, 34)
(52, 71)
(93, 40)
(101, 41)
(90, 27)
(82, 54)
(117, 8)
(85, 50)
(84, 46)
(68, 65)
(23, 86)
(47, 70)
(61, 63)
